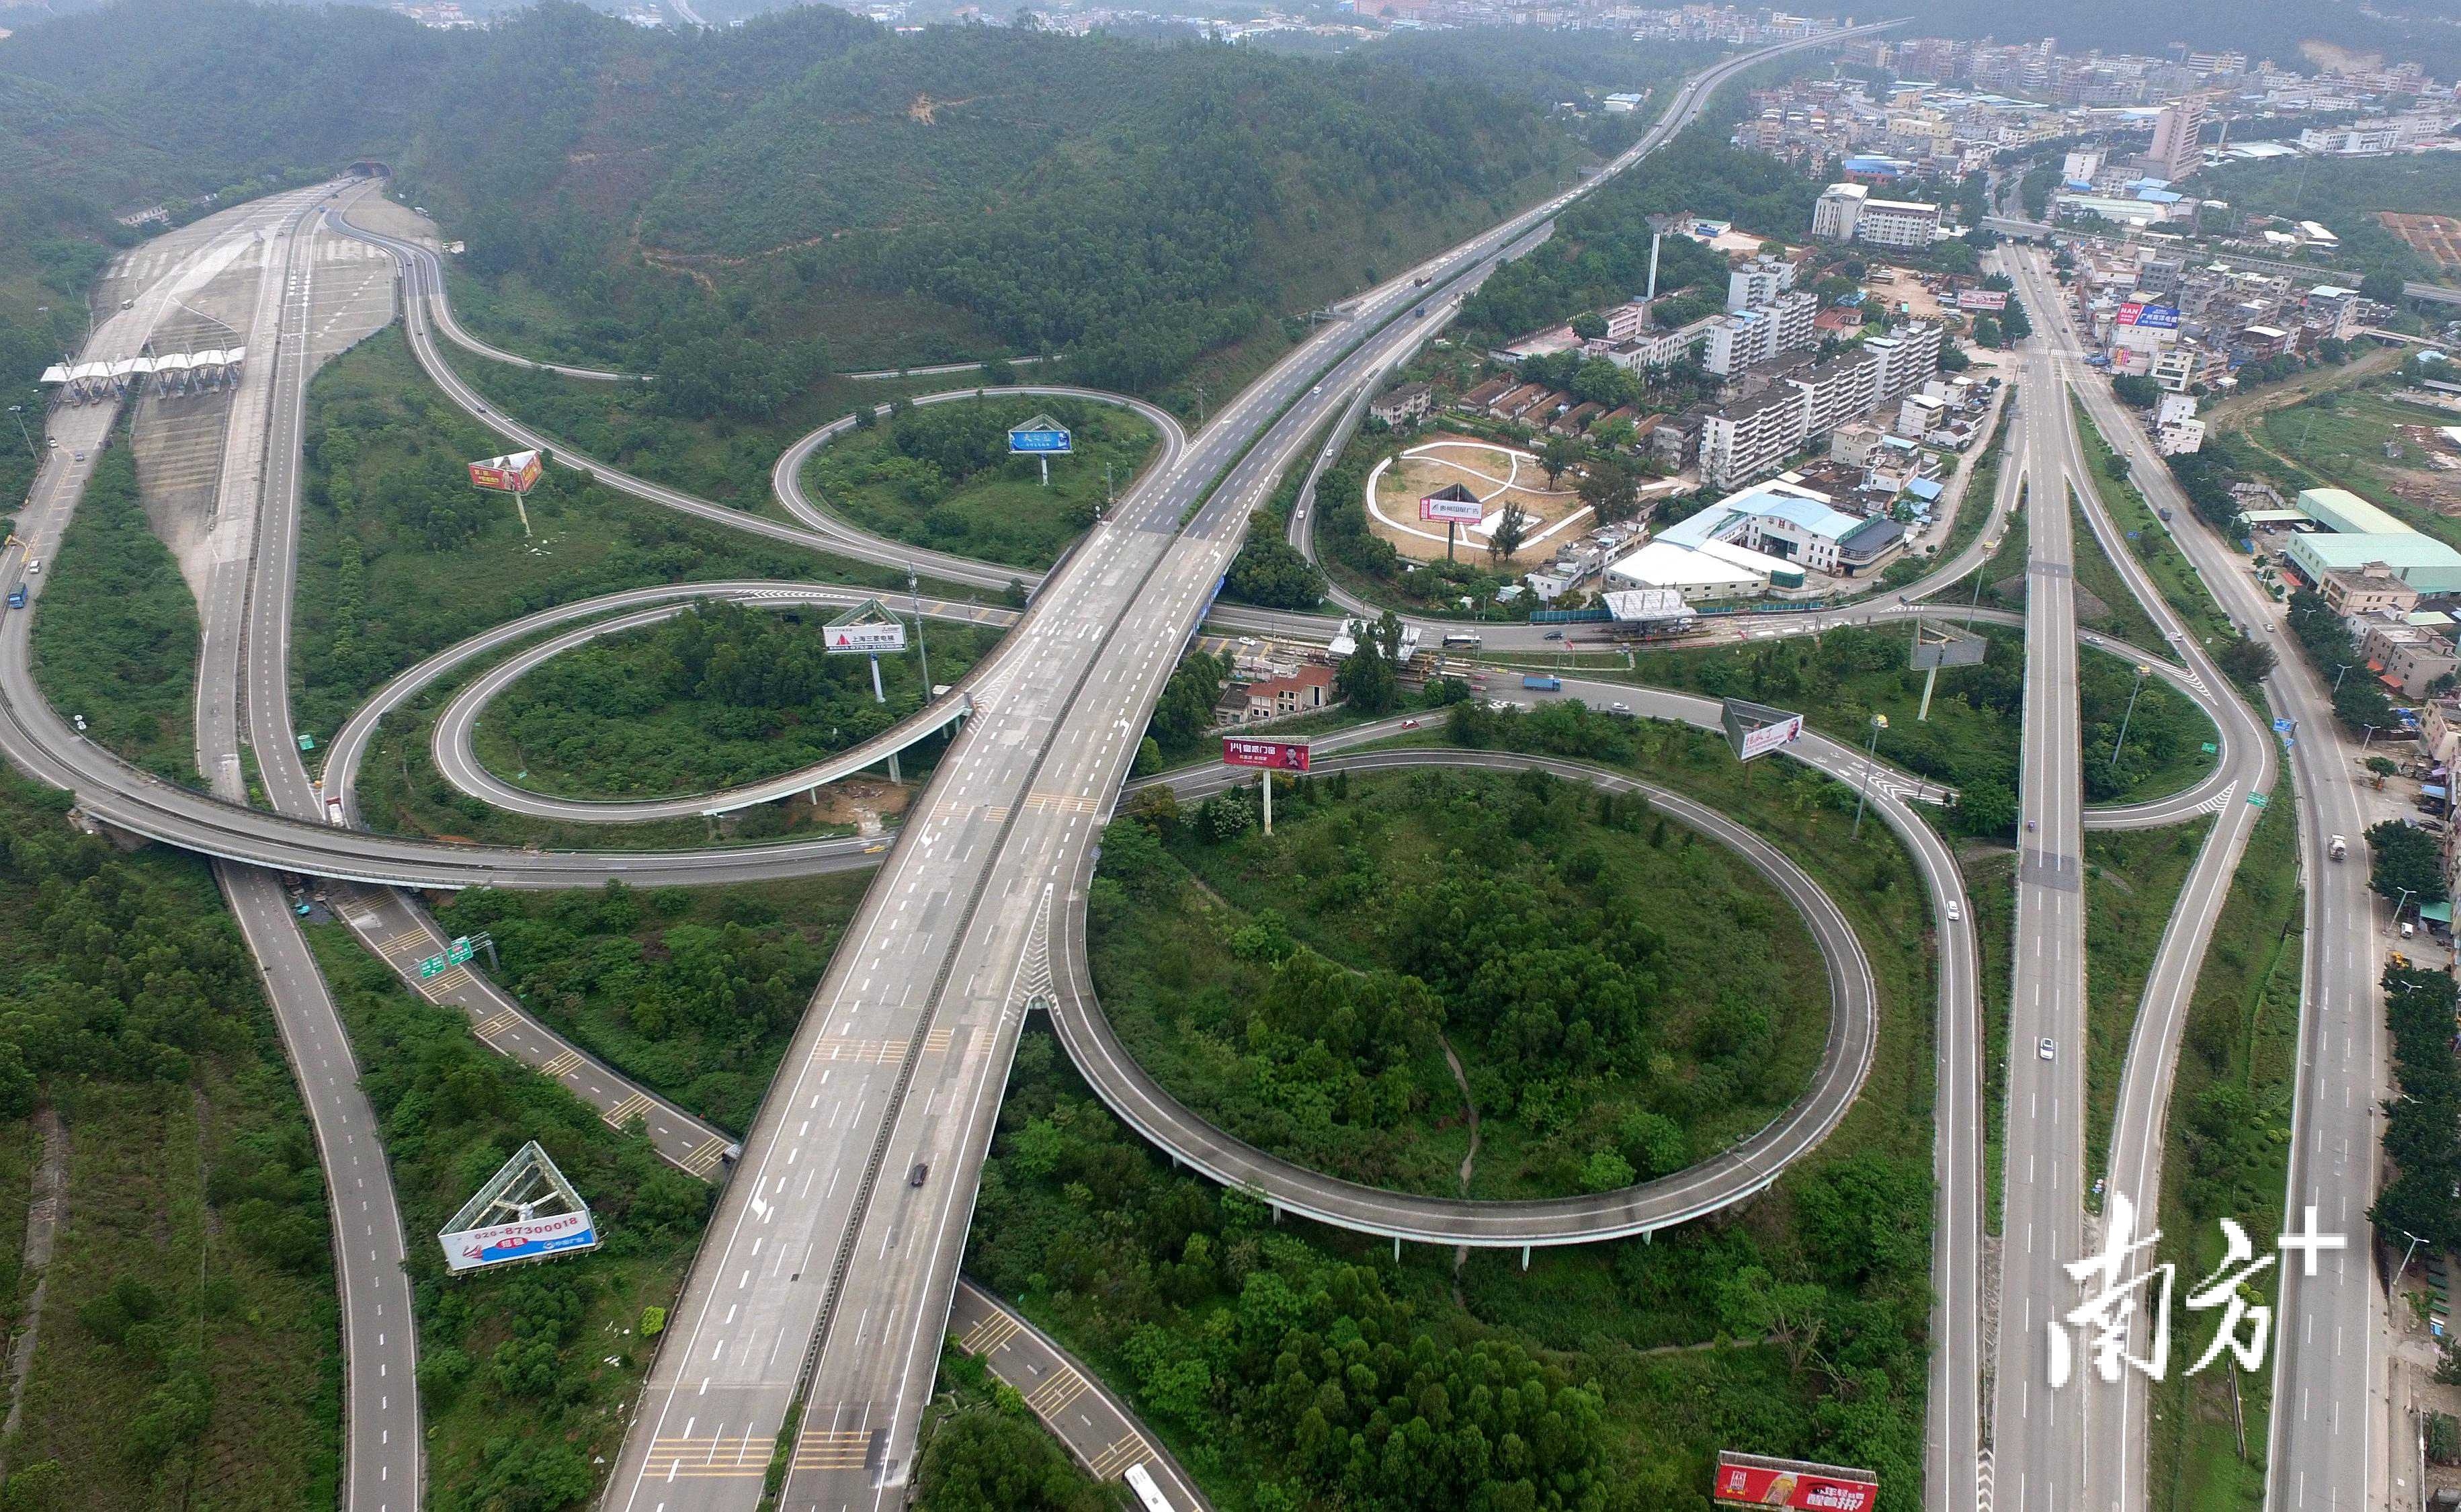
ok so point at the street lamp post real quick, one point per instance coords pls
(2136, 688)
(2338, 675)
(19, 411)
(914, 590)
(2414, 1243)
(2400, 902)
(1871, 758)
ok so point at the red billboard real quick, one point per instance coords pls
(1753, 1480)
(515, 473)
(1279, 755)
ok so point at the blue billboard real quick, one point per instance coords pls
(1042, 438)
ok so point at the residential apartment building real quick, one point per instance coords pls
(1409, 402)
(1657, 348)
(2353, 594)
(1834, 214)
(1756, 283)
(2404, 657)
(1751, 437)
(2178, 139)
(1737, 341)
(1847, 212)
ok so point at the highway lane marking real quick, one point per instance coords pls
(1057, 1393)
(496, 1025)
(1121, 1453)
(561, 1065)
(632, 1107)
(991, 1334)
(833, 1449)
(878, 1052)
(436, 989)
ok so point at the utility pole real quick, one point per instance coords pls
(1200, 403)
(2121, 743)
(1871, 758)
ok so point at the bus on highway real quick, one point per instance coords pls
(1149, 1496)
(1461, 640)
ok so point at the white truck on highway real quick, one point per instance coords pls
(2337, 848)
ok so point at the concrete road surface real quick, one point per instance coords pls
(2329, 1398)
(2036, 1453)
(828, 1273)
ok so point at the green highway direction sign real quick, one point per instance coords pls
(2256, 799)
(459, 952)
(2211, 749)
(307, 741)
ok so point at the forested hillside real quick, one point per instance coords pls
(638, 195)
(1600, 254)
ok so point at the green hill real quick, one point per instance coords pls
(626, 193)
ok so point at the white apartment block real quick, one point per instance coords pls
(1659, 348)
(1750, 439)
(1909, 355)
(1896, 222)
(1758, 283)
(1735, 342)
(1845, 388)
(1628, 320)
(1847, 212)
(2175, 368)
(1833, 216)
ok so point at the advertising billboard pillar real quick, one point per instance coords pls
(1270, 756)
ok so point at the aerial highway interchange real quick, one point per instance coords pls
(827, 1279)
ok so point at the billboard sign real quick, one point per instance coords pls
(1454, 504)
(867, 630)
(2150, 317)
(1752, 1481)
(527, 1211)
(515, 474)
(1769, 738)
(1992, 300)
(1937, 646)
(494, 1247)
(1276, 756)
(866, 639)
(1041, 437)
(1755, 730)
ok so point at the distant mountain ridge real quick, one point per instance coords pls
(1136, 204)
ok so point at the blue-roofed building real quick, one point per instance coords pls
(1768, 528)
(1926, 489)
